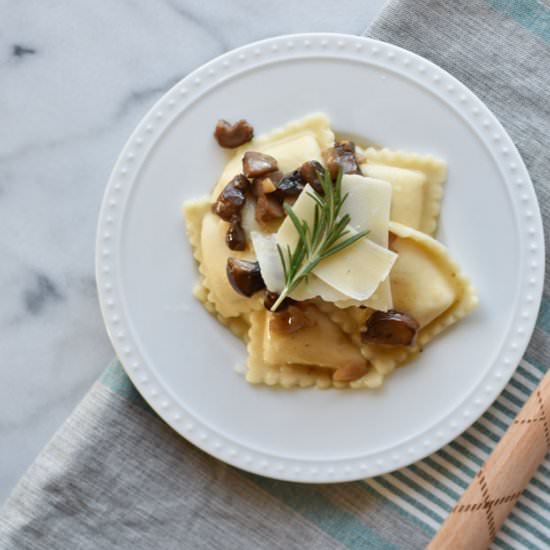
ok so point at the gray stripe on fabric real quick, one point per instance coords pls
(116, 476)
(500, 49)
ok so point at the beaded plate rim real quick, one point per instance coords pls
(181, 96)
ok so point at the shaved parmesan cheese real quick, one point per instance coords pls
(356, 272)
(304, 208)
(267, 255)
(368, 205)
(248, 217)
(316, 287)
(265, 246)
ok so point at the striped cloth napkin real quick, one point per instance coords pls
(115, 476)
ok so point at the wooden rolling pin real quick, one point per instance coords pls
(478, 515)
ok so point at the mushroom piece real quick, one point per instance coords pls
(231, 200)
(233, 135)
(290, 320)
(290, 185)
(268, 182)
(390, 328)
(244, 276)
(272, 297)
(235, 237)
(257, 164)
(349, 373)
(342, 155)
(312, 172)
(268, 205)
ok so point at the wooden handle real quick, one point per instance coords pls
(480, 512)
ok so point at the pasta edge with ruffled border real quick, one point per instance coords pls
(193, 213)
(465, 302)
(290, 376)
(435, 170)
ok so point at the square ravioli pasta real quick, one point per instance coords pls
(306, 358)
(318, 333)
(427, 284)
(417, 185)
(194, 213)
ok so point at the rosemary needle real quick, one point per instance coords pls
(325, 236)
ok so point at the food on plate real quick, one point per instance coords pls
(321, 256)
(232, 135)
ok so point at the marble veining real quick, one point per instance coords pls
(43, 291)
(21, 51)
(75, 78)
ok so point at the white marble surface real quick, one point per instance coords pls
(75, 78)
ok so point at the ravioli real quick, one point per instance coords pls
(417, 185)
(323, 344)
(423, 281)
(194, 212)
(426, 284)
(213, 266)
(292, 145)
(433, 259)
(280, 372)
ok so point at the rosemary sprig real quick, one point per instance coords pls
(326, 235)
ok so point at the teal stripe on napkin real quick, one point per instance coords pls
(339, 524)
(531, 14)
(117, 381)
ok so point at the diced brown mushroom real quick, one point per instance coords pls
(311, 173)
(272, 297)
(268, 182)
(267, 185)
(349, 373)
(342, 155)
(390, 328)
(257, 164)
(268, 206)
(233, 135)
(235, 237)
(245, 277)
(241, 183)
(290, 185)
(231, 200)
(290, 320)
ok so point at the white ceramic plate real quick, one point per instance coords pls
(183, 361)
